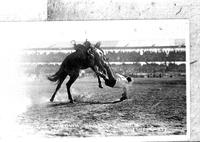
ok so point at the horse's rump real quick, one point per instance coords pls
(60, 74)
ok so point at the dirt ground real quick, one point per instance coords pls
(154, 107)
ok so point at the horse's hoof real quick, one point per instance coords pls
(100, 86)
(51, 100)
(71, 101)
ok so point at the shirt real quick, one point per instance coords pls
(121, 81)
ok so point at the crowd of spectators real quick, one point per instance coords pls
(131, 69)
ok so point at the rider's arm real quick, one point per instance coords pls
(124, 91)
(124, 94)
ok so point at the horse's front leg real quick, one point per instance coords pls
(99, 81)
(97, 74)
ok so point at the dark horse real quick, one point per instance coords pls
(72, 65)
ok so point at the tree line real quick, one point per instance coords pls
(133, 56)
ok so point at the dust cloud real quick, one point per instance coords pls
(13, 98)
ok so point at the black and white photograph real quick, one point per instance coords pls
(109, 70)
(77, 79)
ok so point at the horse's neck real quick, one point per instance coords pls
(111, 74)
(100, 58)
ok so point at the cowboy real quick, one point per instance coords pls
(117, 81)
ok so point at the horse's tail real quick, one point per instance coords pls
(58, 76)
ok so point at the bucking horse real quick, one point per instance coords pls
(85, 56)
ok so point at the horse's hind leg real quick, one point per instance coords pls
(57, 88)
(69, 83)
